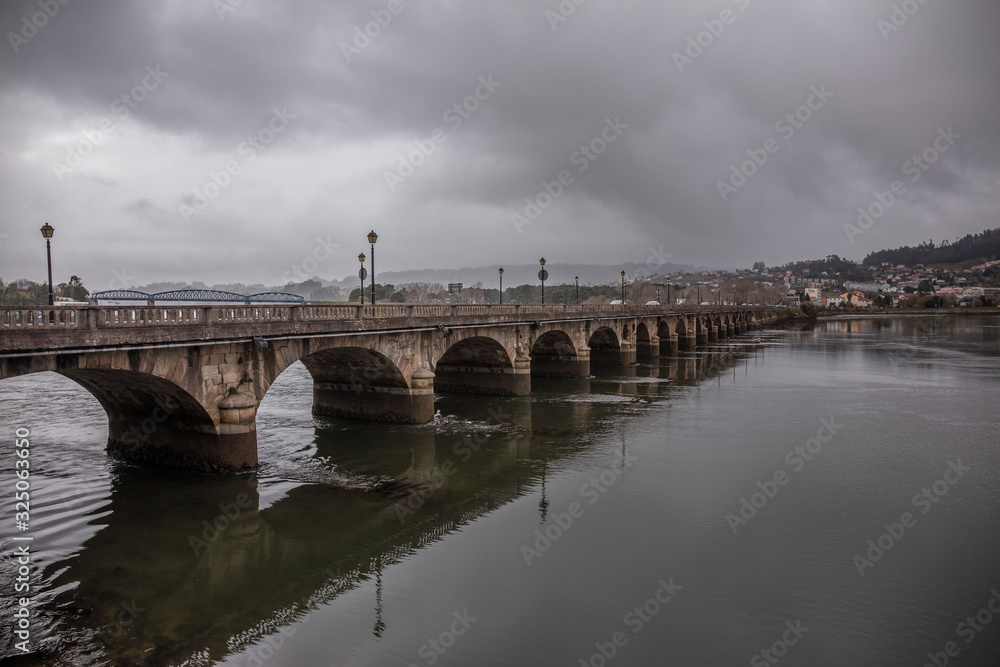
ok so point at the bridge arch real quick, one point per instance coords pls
(363, 383)
(606, 348)
(647, 347)
(480, 364)
(151, 419)
(555, 355)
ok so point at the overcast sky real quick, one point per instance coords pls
(114, 116)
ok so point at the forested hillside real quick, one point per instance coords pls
(984, 246)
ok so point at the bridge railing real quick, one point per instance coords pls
(119, 317)
(47, 318)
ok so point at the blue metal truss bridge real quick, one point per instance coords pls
(200, 295)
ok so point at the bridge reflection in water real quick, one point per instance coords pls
(207, 592)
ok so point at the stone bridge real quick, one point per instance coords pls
(181, 385)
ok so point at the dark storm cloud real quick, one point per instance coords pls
(697, 84)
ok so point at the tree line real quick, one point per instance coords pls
(984, 246)
(29, 293)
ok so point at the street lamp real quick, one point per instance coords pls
(501, 285)
(47, 230)
(669, 300)
(542, 275)
(623, 288)
(372, 238)
(577, 279)
(699, 292)
(361, 274)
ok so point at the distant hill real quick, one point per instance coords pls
(520, 274)
(973, 249)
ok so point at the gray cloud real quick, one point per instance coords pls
(324, 175)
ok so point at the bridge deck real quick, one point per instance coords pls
(53, 329)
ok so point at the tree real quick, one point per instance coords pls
(759, 266)
(925, 287)
(809, 309)
(74, 289)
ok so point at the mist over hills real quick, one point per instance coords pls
(518, 274)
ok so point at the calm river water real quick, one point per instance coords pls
(820, 497)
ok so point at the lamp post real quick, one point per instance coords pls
(577, 279)
(361, 274)
(501, 285)
(47, 231)
(542, 275)
(734, 296)
(372, 238)
(699, 292)
(669, 300)
(623, 288)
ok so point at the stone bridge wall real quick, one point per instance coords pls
(181, 385)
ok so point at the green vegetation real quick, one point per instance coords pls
(972, 248)
(29, 293)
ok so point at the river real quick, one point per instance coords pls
(829, 496)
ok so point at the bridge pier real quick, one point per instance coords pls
(490, 380)
(647, 350)
(232, 449)
(613, 358)
(688, 342)
(702, 337)
(561, 365)
(670, 348)
(731, 330)
(713, 334)
(401, 405)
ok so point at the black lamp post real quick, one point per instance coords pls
(47, 231)
(541, 276)
(361, 274)
(372, 238)
(577, 279)
(669, 301)
(623, 288)
(699, 292)
(501, 285)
